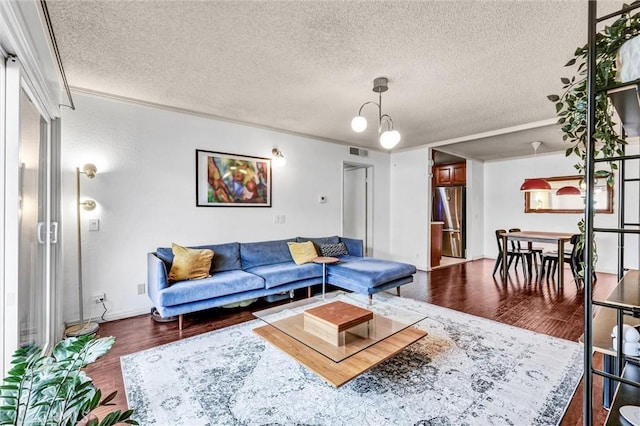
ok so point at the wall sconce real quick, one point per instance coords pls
(89, 169)
(389, 138)
(82, 328)
(278, 157)
(88, 205)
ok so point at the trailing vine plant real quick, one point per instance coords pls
(571, 106)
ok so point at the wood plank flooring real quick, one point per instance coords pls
(467, 287)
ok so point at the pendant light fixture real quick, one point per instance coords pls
(388, 137)
(535, 184)
(568, 190)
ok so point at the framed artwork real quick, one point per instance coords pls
(231, 180)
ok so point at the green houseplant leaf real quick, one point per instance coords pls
(53, 390)
(571, 106)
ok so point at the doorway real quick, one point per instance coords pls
(357, 204)
(448, 209)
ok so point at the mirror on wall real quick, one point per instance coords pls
(550, 202)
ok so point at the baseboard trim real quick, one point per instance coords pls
(126, 314)
(114, 316)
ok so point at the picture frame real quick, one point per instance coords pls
(232, 180)
(549, 202)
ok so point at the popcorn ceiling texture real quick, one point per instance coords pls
(454, 68)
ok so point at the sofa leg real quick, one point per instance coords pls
(398, 291)
(309, 291)
(180, 322)
(370, 299)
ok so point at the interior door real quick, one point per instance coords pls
(356, 204)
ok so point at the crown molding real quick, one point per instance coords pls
(24, 34)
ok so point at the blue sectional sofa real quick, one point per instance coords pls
(243, 271)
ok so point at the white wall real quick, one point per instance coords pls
(410, 208)
(475, 209)
(145, 189)
(504, 205)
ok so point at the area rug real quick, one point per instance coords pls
(466, 371)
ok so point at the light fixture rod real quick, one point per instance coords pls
(79, 244)
(535, 146)
(379, 106)
(366, 103)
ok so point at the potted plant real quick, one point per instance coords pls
(53, 390)
(571, 106)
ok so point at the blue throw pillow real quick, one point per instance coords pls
(166, 255)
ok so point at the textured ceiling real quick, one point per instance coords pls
(455, 68)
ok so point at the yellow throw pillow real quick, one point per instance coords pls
(189, 264)
(303, 252)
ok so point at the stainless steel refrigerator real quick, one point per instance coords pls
(449, 207)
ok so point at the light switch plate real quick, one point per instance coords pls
(94, 224)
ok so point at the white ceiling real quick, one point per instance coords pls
(455, 68)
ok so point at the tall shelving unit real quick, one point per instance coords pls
(621, 374)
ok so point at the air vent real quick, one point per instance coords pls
(358, 151)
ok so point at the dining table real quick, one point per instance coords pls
(530, 237)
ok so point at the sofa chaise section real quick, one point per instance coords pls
(368, 275)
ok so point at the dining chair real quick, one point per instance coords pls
(573, 257)
(536, 252)
(511, 255)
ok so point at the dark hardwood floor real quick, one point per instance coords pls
(467, 287)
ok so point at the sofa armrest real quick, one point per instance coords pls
(354, 246)
(157, 279)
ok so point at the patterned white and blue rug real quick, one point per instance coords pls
(466, 371)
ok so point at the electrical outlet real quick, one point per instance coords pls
(98, 297)
(141, 288)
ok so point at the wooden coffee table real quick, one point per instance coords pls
(336, 346)
(335, 321)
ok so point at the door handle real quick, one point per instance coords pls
(39, 233)
(54, 232)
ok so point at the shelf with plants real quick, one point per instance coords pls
(586, 115)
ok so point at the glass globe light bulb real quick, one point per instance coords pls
(389, 139)
(359, 124)
(279, 161)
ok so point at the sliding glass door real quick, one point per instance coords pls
(28, 234)
(32, 270)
